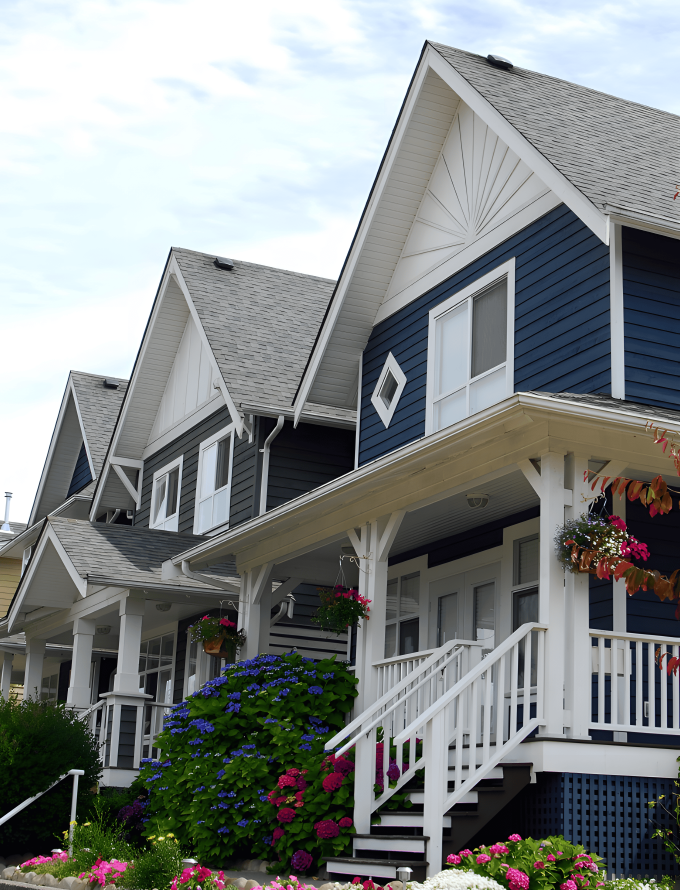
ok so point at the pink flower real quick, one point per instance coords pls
(345, 822)
(278, 832)
(285, 815)
(518, 880)
(482, 858)
(515, 837)
(550, 857)
(568, 885)
(453, 859)
(293, 772)
(332, 782)
(327, 828)
(225, 622)
(593, 868)
(539, 864)
(617, 522)
(287, 782)
(465, 853)
(498, 849)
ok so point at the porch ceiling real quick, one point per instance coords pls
(507, 495)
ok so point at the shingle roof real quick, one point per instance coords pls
(618, 153)
(260, 322)
(646, 412)
(128, 554)
(99, 407)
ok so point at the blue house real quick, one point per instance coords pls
(507, 320)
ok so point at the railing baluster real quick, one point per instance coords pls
(639, 689)
(500, 702)
(675, 650)
(527, 679)
(514, 682)
(651, 684)
(601, 682)
(540, 678)
(614, 683)
(627, 671)
(486, 718)
(663, 707)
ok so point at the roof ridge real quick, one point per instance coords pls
(254, 265)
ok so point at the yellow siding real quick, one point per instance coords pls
(10, 572)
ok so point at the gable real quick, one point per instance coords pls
(189, 384)
(477, 185)
(61, 460)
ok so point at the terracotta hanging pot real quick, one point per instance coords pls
(219, 647)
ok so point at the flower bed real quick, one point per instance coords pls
(526, 864)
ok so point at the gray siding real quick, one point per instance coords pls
(244, 479)
(188, 445)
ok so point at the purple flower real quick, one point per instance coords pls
(301, 861)
(315, 690)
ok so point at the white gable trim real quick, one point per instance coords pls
(172, 270)
(80, 583)
(68, 392)
(597, 221)
(555, 181)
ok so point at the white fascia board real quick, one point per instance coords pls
(595, 219)
(500, 413)
(82, 429)
(362, 231)
(50, 451)
(646, 222)
(217, 374)
(80, 584)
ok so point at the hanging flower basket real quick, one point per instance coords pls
(581, 543)
(219, 637)
(340, 609)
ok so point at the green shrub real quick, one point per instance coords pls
(225, 746)
(40, 741)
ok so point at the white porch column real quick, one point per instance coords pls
(131, 613)
(551, 611)
(577, 593)
(35, 656)
(254, 599)
(6, 679)
(79, 692)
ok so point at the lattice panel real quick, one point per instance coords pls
(607, 814)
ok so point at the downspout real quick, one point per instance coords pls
(265, 463)
(286, 607)
(205, 579)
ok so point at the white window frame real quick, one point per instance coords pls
(505, 270)
(217, 437)
(173, 519)
(391, 366)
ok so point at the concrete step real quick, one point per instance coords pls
(374, 868)
(392, 843)
(407, 819)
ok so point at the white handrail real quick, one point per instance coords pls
(76, 773)
(413, 677)
(91, 710)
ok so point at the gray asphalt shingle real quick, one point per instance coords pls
(260, 322)
(129, 554)
(618, 153)
(99, 407)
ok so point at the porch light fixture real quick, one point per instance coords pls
(103, 629)
(223, 263)
(499, 61)
(476, 500)
(163, 607)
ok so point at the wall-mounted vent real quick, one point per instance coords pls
(499, 62)
(223, 263)
(110, 383)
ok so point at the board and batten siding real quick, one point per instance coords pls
(562, 338)
(651, 306)
(304, 458)
(10, 574)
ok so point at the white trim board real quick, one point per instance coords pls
(586, 757)
(618, 358)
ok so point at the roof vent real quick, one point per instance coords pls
(110, 383)
(223, 263)
(499, 62)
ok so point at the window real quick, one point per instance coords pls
(155, 678)
(214, 481)
(485, 614)
(470, 357)
(165, 496)
(388, 389)
(525, 569)
(525, 599)
(447, 618)
(49, 688)
(402, 623)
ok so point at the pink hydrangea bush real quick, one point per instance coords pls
(528, 864)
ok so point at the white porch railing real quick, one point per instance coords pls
(630, 693)
(483, 708)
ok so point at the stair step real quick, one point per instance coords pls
(496, 772)
(392, 843)
(373, 868)
(418, 797)
(406, 819)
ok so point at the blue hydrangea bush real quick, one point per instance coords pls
(224, 748)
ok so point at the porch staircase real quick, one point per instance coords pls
(398, 841)
(451, 717)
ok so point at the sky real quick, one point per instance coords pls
(252, 130)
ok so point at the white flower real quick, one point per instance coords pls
(454, 879)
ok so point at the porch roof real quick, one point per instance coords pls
(72, 553)
(479, 449)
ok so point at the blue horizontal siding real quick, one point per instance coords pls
(81, 474)
(651, 305)
(562, 339)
